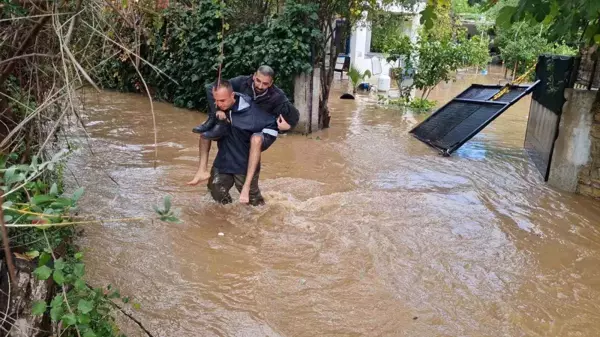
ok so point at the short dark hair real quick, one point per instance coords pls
(223, 84)
(267, 71)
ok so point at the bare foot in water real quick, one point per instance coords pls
(245, 195)
(198, 178)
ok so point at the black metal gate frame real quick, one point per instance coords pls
(503, 107)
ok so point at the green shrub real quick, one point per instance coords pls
(184, 43)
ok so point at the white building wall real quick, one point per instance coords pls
(360, 42)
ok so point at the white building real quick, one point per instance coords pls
(361, 56)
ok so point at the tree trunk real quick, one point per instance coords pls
(327, 65)
(16, 302)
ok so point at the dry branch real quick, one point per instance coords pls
(26, 43)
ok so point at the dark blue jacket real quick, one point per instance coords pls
(234, 148)
(272, 101)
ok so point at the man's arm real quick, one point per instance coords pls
(236, 84)
(289, 112)
(284, 108)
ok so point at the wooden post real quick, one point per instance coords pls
(307, 88)
(315, 97)
(301, 84)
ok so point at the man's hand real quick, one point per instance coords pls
(282, 125)
(221, 115)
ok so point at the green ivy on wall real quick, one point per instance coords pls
(183, 43)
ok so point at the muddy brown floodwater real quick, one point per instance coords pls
(366, 231)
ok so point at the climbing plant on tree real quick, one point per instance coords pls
(191, 43)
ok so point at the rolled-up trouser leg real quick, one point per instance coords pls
(256, 198)
(219, 185)
(267, 140)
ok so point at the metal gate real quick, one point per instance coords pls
(466, 115)
(555, 74)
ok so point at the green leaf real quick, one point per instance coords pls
(57, 301)
(79, 269)
(41, 199)
(3, 160)
(32, 254)
(39, 307)
(85, 306)
(9, 175)
(195, 78)
(7, 218)
(59, 264)
(590, 33)
(79, 255)
(125, 299)
(44, 259)
(89, 333)
(84, 319)
(42, 273)
(77, 194)
(171, 219)
(54, 189)
(59, 277)
(18, 178)
(505, 16)
(597, 38)
(62, 203)
(56, 313)
(137, 306)
(428, 16)
(80, 285)
(554, 9)
(69, 319)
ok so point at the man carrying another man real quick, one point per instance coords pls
(267, 100)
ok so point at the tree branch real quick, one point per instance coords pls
(25, 56)
(72, 25)
(26, 43)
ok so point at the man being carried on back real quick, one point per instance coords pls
(268, 98)
(234, 141)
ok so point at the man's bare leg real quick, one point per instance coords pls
(202, 174)
(253, 161)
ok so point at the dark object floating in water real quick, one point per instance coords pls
(364, 86)
(346, 96)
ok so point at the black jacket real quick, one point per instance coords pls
(273, 101)
(234, 148)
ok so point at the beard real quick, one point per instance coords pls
(257, 90)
